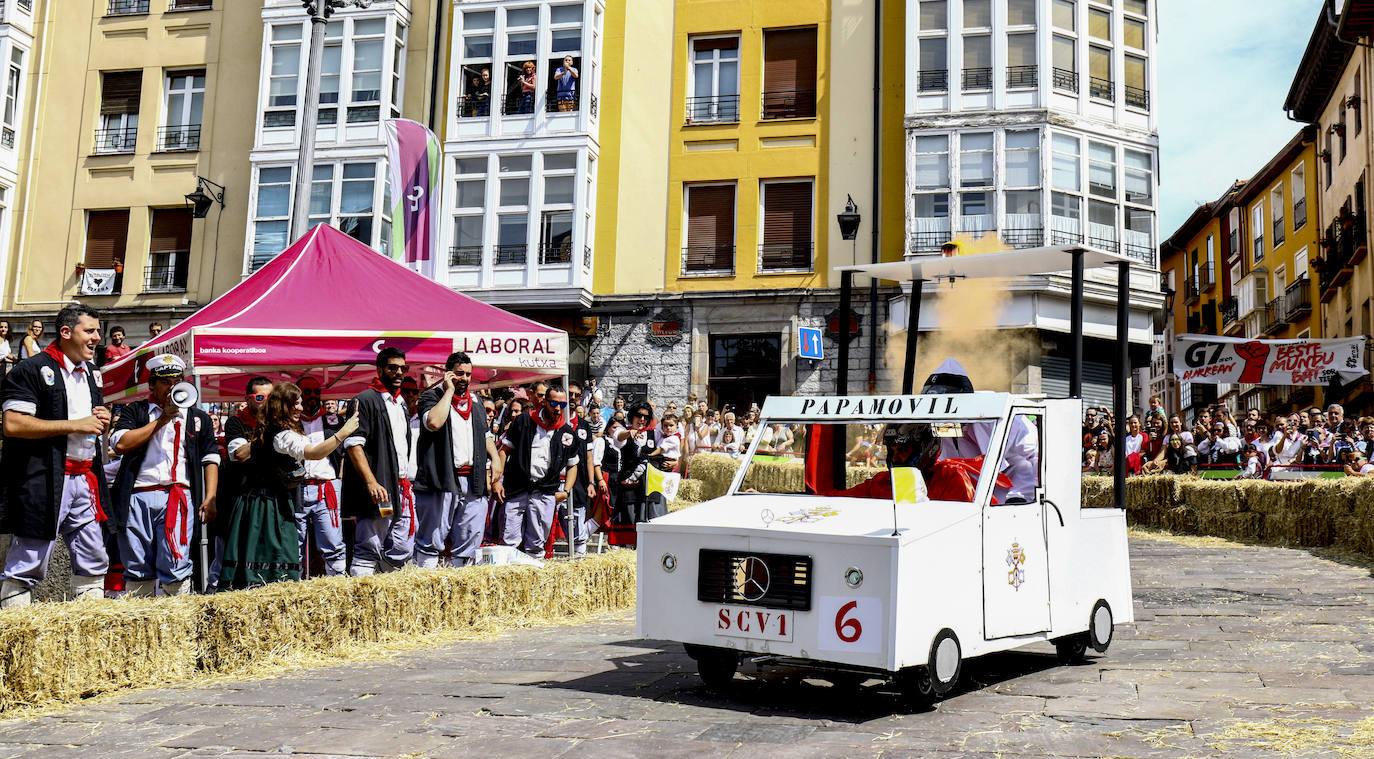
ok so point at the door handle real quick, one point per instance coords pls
(1057, 512)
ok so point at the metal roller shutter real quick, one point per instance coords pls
(107, 236)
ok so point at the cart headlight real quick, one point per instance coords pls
(669, 562)
(853, 577)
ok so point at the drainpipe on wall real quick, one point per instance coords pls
(877, 187)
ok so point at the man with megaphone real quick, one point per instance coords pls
(169, 451)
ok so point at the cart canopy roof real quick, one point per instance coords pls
(1007, 263)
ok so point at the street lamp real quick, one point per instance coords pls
(198, 202)
(319, 12)
(848, 220)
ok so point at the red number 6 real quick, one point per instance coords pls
(848, 630)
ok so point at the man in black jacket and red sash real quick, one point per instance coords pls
(376, 482)
(169, 458)
(451, 482)
(539, 456)
(52, 466)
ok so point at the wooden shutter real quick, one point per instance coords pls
(121, 91)
(711, 216)
(171, 231)
(787, 214)
(789, 60)
(107, 235)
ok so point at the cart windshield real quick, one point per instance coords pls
(806, 458)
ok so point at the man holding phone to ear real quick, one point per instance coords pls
(455, 447)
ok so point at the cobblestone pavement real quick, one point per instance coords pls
(1237, 651)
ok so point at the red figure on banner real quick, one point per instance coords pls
(1255, 355)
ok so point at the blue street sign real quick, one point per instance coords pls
(811, 343)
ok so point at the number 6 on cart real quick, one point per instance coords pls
(850, 623)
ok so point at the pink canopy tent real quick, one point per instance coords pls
(326, 306)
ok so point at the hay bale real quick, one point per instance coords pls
(853, 475)
(690, 491)
(1181, 519)
(776, 477)
(1219, 496)
(1097, 492)
(56, 585)
(52, 653)
(715, 472)
(68, 651)
(1244, 526)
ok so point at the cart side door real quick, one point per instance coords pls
(1016, 582)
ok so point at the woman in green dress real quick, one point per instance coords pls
(263, 546)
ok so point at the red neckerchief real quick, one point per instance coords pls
(312, 417)
(249, 419)
(379, 387)
(61, 358)
(464, 409)
(539, 420)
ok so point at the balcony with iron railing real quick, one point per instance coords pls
(1205, 279)
(465, 255)
(1297, 298)
(1257, 247)
(926, 243)
(976, 79)
(511, 254)
(178, 139)
(1299, 214)
(1279, 236)
(785, 257)
(713, 109)
(116, 141)
(1136, 97)
(1104, 239)
(1030, 237)
(1274, 319)
(7, 136)
(518, 104)
(1021, 76)
(126, 7)
(708, 260)
(190, 5)
(1065, 79)
(555, 252)
(591, 98)
(1233, 244)
(1230, 312)
(1192, 290)
(789, 104)
(1101, 88)
(166, 279)
(932, 80)
(1343, 246)
(555, 105)
(474, 106)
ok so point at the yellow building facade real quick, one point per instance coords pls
(134, 101)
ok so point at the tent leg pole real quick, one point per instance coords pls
(842, 362)
(913, 333)
(1076, 328)
(201, 566)
(1121, 376)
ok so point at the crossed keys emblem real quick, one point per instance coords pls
(752, 579)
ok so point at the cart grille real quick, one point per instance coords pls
(774, 581)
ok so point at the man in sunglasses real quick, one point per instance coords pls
(238, 432)
(376, 479)
(317, 501)
(580, 497)
(455, 446)
(538, 456)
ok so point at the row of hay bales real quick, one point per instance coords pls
(1315, 513)
(1309, 513)
(55, 653)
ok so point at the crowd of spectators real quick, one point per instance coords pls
(1256, 444)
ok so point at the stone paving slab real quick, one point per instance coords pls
(1228, 641)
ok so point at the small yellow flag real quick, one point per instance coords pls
(908, 486)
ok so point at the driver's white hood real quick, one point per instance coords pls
(816, 515)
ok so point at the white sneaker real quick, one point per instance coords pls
(88, 587)
(139, 588)
(182, 588)
(12, 594)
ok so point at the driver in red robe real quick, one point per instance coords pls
(916, 445)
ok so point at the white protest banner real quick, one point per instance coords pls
(1221, 360)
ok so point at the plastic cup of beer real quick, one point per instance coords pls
(384, 509)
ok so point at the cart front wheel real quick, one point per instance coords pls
(1071, 649)
(946, 662)
(716, 666)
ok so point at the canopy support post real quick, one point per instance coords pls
(1076, 327)
(201, 567)
(1121, 375)
(913, 332)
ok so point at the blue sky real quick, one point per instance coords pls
(1224, 71)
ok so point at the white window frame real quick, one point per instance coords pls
(188, 129)
(717, 111)
(545, 208)
(477, 212)
(1257, 231)
(1297, 179)
(14, 97)
(270, 47)
(1276, 214)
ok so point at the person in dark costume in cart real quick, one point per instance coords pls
(52, 465)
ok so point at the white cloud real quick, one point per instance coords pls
(1224, 71)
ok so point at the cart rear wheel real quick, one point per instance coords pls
(716, 666)
(1100, 627)
(1071, 649)
(914, 683)
(946, 662)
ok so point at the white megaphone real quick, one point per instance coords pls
(185, 395)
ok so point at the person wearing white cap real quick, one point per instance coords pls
(51, 467)
(169, 459)
(1020, 462)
